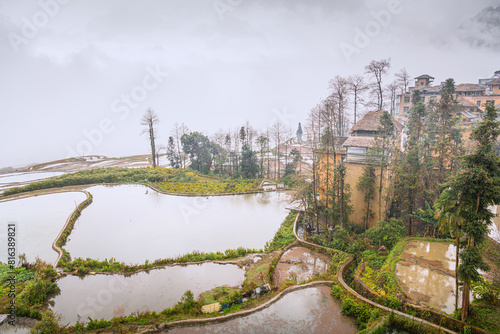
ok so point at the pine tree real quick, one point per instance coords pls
(382, 145)
(475, 188)
(407, 185)
(366, 183)
(299, 133)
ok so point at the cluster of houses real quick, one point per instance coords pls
(353, 150)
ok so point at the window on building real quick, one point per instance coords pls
(478, 103)
(406, 109)
(407, 99)
(422, 99)
(490, 102)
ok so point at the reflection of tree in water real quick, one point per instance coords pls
(264, 198)
(439, 288)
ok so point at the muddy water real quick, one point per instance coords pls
(310, 310)
(5, 328)
(39, 220)
(133, 223)
(437, 254)
(431, 287)
(301, 263)
(106, 296)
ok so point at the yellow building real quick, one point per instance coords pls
(494, 86)
(355, 155)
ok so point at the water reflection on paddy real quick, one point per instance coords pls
(433, 251)
(106, 296)
(435, 289)
(133, 223)
(311, 310)
(39, 220)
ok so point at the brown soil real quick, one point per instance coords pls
(300, 263)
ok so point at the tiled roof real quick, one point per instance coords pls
(467, 87)
(371, 122)
(424, 76)
(358, 141)
(466, 103)
(495, 82)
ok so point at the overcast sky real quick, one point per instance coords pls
(77, 75)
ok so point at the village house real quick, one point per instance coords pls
(472, 98)
(355, 152)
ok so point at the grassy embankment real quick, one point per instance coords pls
(176, 181)
(257, 274)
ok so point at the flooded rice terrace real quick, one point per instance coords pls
(107, 296)
(11, 180)
(39, 220)
(310, 310)
(299, 263)
(428, 265)
(133, 223)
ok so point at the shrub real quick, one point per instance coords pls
(284, 236)
(35, 292)
(336, 291)
(96, 324)
(488, 291)
(386, 233)
(49, 324)
(187, 300)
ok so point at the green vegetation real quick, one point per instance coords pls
(284, 236)
(85, 266)
(386, 233)
(33, 285)
(164, 179)
(223, 295)
(48, 324)
(472, 190)
(365, 314)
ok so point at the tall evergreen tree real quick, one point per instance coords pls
(382, 146)
(407, 184)
(249, 166)
(475, 188)
(172, 156)
(299, 133)
(366, 183)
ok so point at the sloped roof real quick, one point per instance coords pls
(466, 103)
(430, 89)
(358, 141)
(371, 122)
(467, 87)
(424, 76)
(495, 82)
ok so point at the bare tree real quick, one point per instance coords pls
(251, 134)
(177, 132)
(340, 87)
(160, 148)
(392, 90)
(357, 86)
(403, 80)
(378, 69)
(314, 129)
(150, 120)
(278, 133)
